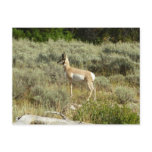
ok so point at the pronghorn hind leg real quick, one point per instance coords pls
(91, 89)
(94, 89)
(94, 94)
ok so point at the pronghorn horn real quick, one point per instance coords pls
(63, 56)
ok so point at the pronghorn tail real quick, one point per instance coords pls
(93, 76)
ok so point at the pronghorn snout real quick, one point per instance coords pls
(60, 61)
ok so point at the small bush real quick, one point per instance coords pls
(18, 85)
(76, 60)
(123, 49)
(25, 79)
(133, 80)
(106, 113)
(124, 94)
(103, 83)
(43, 58)
(54, 73)
(116, 64)
(121, 65)
(117, 78)
(18, 33)
(49, 97)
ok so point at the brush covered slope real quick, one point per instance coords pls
(39, 83)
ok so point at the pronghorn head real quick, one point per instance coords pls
(64, 59)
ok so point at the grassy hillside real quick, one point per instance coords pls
(39, 84)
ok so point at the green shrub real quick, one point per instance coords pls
(19, 86)
(106, 113)
(91, 35)
(133, 80)
(18, 33)
(116, 64)
(103, 83)
(25, 79)
(54, 73)
(31, 55)
(118, 79)
(49, 97)
(42, 34)
(121, 65)
(49, 56)
(123, 49)
(43, 58)
(124, 94)
(76, 60)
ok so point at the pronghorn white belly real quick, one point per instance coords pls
(77, 77)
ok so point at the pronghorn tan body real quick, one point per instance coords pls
(78, 75)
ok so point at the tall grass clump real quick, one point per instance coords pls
(106, 113)
(124, 94)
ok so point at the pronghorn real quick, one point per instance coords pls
(78, 75)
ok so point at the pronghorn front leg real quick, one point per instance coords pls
(71, 89)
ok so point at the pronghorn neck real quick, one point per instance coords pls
(66, 64)
(66, 67)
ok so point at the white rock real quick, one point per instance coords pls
(33, 119)
(72, 107)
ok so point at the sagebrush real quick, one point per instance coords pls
(40, 82)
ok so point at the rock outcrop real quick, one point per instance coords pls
(33, 119)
